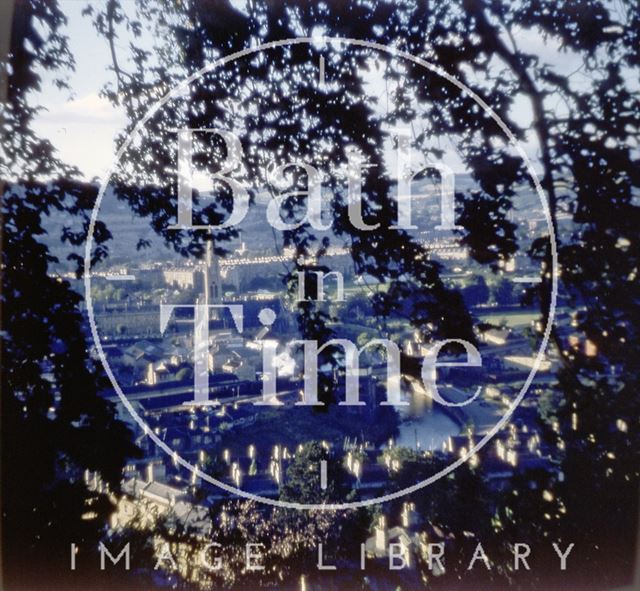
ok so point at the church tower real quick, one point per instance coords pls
(212, 279)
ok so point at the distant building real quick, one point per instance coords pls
(184, 277)
(212, 278)
(411, 542)
(496, 336)
(161, 372)
(205, 277)
(527, 362)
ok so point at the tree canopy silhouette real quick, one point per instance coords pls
(55, 425)
(583, 124)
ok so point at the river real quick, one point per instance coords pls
(424, 426)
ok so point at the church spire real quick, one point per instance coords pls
(212, 282)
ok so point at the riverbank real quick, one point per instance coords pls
(481, 415)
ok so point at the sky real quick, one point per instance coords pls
(82, 125)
